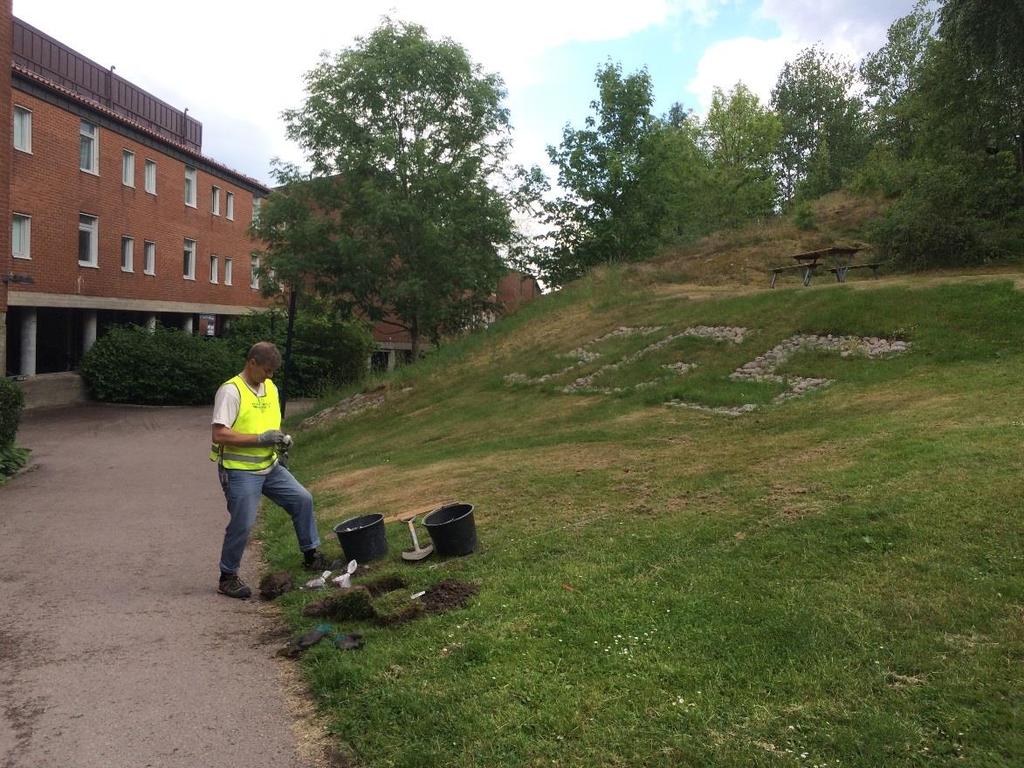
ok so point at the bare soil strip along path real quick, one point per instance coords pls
(115, 649)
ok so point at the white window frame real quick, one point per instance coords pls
(93, 228)
(148, 257)
(228, 270)
(229, 212)
(256, 203)
(214, 268)
(189, 270)
(91, 135)
(254, 277)
(22, 115)
(127, 253)
(215, 200)
(23, 222)
(128, 168)
(149, 179)
(191, 185)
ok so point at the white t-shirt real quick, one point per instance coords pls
(226, 403)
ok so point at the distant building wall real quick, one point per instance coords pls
(57, 306)
(5, 171)
(49, 187)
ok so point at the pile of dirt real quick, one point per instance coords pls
(274, 585)
(384, 584)
(447, 595)
(353, 604)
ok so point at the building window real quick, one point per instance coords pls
(256, 202)
(190, 186)
(88, 240)
(227, 270)
(89, 147)
(214, 270)
(128, 168)
(127, 254)
(150, 176)
(21, 236)
(230, 213)
(215, 200)
(254, 273)
(149, 258)
(188, 269)
(23, 129)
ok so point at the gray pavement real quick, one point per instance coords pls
(115, 649)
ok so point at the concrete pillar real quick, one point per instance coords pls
(88, 329)
(151, 323)
(29, 326)
(186, 324)
(392, 358)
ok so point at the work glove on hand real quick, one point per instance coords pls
(269, 438)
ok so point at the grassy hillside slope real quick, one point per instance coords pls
(830, 579)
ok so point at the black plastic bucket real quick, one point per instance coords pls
(362, 538)
(452, 529)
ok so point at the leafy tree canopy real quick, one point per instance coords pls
(400, 214)
(823, 135)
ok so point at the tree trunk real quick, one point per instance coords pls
(414, 334)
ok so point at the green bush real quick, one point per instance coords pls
(11, 402)
(963, 211)
(160, 367)
(803, 217)
(12, 458)
(327, 353)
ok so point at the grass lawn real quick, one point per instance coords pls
(831, 580)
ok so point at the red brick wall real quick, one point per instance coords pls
(515, 289)
(6, 117)
(49, 186)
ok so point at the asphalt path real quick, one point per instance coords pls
(115, 649)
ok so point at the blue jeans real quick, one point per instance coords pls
(243, 489)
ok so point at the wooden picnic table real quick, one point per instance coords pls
(840, 256)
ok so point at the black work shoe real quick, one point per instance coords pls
(232, 586)
(317, 562)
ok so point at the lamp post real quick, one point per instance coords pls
(289, 334)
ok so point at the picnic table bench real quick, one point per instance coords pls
(809, 261)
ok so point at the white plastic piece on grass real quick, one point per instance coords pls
(418, 595)
(344, 581)
(319, 582)
(351, 567)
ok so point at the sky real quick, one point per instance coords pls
(237, 65)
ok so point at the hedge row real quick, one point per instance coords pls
(11, 402)
(132, 364)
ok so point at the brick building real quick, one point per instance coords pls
(115, 214)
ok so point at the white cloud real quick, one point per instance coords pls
(850, 30)
(755, 62)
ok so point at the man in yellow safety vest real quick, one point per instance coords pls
(247, 439)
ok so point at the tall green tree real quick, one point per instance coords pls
(990, 35)
(399, 216)
(892, 78)
(823, 132)
(605, 212)
(740, 137)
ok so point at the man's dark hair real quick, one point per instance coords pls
(265, 353)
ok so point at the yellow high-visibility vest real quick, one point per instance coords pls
(255, 414)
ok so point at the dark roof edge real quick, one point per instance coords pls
(151, 136)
